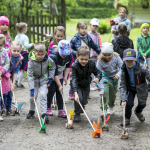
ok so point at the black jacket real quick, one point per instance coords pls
(81, 75)
(121, 43)
(141, 73)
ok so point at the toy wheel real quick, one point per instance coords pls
(107, 128)
(98, 135)
(45, 131)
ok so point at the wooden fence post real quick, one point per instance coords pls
(33, 26)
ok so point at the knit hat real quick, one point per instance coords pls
(94, 21)
(64, 47)
(107, 48)
(4, 20)
(129, 54)
(143, 25)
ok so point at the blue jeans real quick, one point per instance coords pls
(7, 99)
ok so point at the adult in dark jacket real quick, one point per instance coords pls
(133, 81)
(122, 42)
(82, 69)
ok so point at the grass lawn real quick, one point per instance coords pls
(71, 31)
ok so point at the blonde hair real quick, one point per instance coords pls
(83, 50)
(20, 26)
(81, 24)
(39, 47)
(15, 43)
(2, 38)
(122, 8)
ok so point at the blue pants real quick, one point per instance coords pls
(130, 104)
(51, 91)
(7, 100)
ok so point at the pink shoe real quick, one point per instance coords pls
(49, 112)
(62, 113)
(71, 96)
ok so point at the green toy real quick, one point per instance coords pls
(42, 122)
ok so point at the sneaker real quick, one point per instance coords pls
(62, 113)
(110, 111)
(93, 88)
(20, 87)
(71, 96)
(30, 114)
(127, 122)
(49, 112)
(1, 119)
(10, 112)
(44, 116)
(76, 118)
(102, 116)
(140, 116)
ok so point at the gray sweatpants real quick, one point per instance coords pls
(43, 97)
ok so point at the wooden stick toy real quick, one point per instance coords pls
(95, 127)
(42, 122)
(3, 104)
(69, 124)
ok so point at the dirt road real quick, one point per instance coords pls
(19, 133)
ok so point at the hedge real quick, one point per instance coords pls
(82, 12)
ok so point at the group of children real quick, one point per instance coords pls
(88, 60)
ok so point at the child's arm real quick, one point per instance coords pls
(97, 71)
(119, 65)
(30, 76)
(56, 79)
(100, 41)
(26, 42)
(139, 47)
(72, 44)
(93, 45)
(6, 65)
(51, 70)
(68, 69)
(101, 87)
(123, 88)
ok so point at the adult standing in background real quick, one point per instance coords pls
(122, 19)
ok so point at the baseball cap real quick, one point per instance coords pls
(129, 54)
(64, 47)
(94, 21)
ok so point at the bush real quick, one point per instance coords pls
(82, 12)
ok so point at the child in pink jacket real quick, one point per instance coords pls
(4, 66)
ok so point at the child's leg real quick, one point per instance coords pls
(32, 104)
(20, 77)
(130, 104)
(59, 96)
(105, 96)
(43, 98)
(112, 94)
(9, 100)
(50, 94)
(148, 64)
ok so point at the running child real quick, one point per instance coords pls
(15, 63)
(94, 24)
(4, 66)
(62, 58)
(21, 37)
(4, 24)
(133, 81)
(109, 63)
(82, 69)
(82, 39)
(143, 46)
(41, 70)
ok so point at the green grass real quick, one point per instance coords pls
(71, 31)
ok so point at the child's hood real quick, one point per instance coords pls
(33, 57)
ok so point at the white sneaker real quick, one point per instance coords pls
(1, 119)
(110, 111)
(93, 88)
